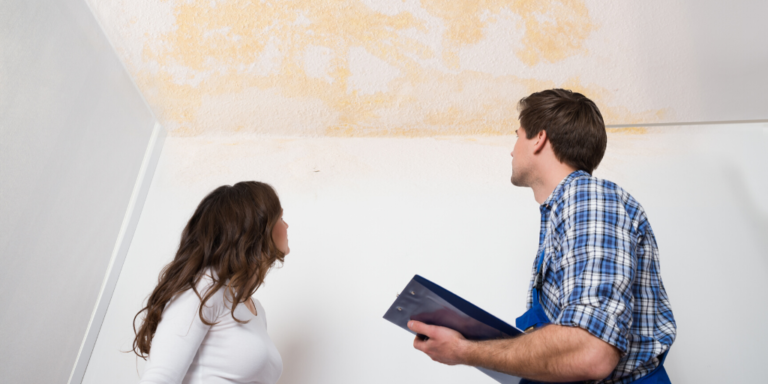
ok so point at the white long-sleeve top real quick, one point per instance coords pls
(185, 350)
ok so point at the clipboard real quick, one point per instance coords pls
(425, 301)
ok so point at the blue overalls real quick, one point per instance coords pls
(535, 317)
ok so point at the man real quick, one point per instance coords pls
(597, 308)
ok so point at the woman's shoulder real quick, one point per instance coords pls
(191, 298)
(215, 304)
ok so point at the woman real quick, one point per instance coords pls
(201, 324)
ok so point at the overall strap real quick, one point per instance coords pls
(535, 316)
(539, 276)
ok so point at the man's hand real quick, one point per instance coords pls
(444, 344)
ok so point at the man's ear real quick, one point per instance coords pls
(541, 140)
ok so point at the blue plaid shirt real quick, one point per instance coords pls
(601, 272)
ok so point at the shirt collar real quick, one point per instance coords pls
(558, 192)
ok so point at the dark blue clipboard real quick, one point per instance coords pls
(430, 303)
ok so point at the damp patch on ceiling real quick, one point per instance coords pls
(353, 68)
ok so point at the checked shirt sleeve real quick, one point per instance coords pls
(596, 264)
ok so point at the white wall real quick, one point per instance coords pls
(74, 130)
(366, 214)
(705, 194)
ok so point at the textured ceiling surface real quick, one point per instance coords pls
(397, 67)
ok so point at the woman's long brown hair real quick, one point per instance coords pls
(230, 234)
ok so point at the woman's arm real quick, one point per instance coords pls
(177, 339)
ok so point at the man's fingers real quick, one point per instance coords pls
(419, 343)
(439, 343)
(420, 328)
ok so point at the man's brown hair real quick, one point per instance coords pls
(574, 126)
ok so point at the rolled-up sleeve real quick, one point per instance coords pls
(597, 267)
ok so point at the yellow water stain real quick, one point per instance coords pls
(414, 132)
(535, 85)
(489, 113)
(554, 30)
(223, 48)
(216, 40)
(227, 31)
(464, 25)
(178, 103)
(628, 130)
(468, 103)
